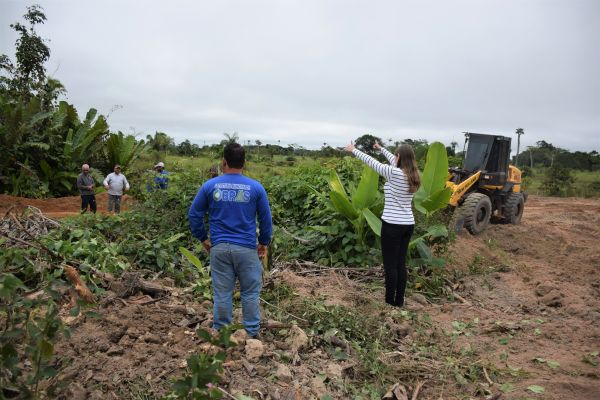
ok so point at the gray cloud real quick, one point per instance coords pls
(310, 72)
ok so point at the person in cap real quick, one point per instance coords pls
(235, 204)
(116, 184)
(85, 184)
(161, 178)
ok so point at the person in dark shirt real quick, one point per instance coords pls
(85, 184)
(233, 203)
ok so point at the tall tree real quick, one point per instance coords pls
(365, 144)
(519, 132)
(28, 77)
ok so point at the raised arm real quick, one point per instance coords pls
(381, 169)
(389, 156)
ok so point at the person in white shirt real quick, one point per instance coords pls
(116, 184)
(402, 181)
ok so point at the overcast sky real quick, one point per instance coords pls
(315, 71)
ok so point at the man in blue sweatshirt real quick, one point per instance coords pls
(234, 203)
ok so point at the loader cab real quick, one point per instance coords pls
(488, 154)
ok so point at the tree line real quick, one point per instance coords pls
(44, 140)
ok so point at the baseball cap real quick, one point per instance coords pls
(160, 164)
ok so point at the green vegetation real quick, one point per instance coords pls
(43, 141)
(204, 370)
(30, 328)
(325, 209)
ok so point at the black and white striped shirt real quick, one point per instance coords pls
(398, 198)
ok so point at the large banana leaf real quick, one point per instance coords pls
(366, 192)
(123, 149)
(373, 221)
(335, 184)
(343, 205)
(89, 132)
(65, 117)
(433, 194)
(55, 178)
(436, 200)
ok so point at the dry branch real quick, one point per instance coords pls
(80, 285)
(418, 388)
(487, 377)
(132, 283)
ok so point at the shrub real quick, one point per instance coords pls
(557, 181)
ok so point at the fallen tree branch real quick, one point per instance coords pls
(301, 240)
(26, 243)
(418, 388)
(280, 309)
(80, 286)
(459, 297)
(487, 377)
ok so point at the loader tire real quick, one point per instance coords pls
(513, 209)
(476, 210)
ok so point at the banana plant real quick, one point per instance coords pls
(357, 207)
(85, 137)
(122, 150)
(433, 195)
(57, 180)
(418, 246)
(203, 283)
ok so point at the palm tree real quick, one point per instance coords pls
(233, 138)
(160, 141)
(258, 143)
(453, 145)
(519, 132)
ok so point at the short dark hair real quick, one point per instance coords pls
(235, 155)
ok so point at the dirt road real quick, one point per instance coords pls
(59, 207)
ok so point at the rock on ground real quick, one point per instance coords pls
(254, 349)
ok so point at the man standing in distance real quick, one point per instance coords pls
(234, 203)
(160, 180)
(116, 184)
(85, 184)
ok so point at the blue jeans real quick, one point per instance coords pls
(229, 262)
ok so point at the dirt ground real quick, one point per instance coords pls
(59, 207)
(528, 305)
(541, 298)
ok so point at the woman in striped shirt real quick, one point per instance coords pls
(402, 181)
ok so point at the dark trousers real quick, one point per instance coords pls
(114, 201)
(88, 200)
(394, 245)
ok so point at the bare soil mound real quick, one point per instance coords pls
(58, 207)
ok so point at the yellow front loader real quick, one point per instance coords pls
(486, 186)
